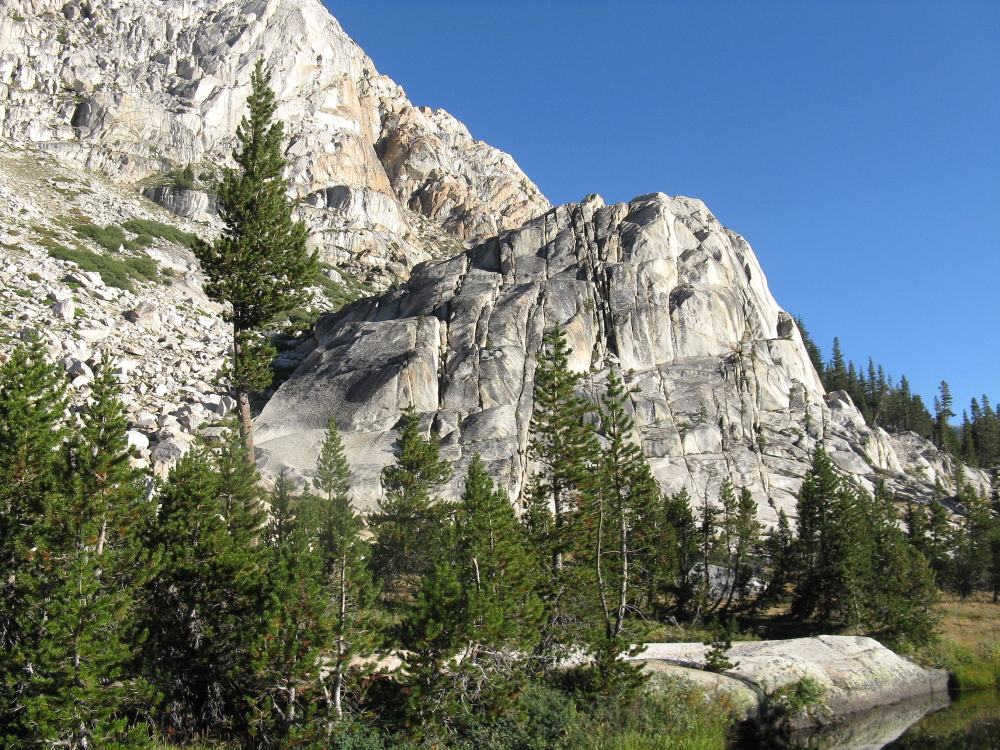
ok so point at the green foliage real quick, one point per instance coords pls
(795, 699)
(476, 616)
(71, 561)
(854, 567)
(358, 625)
(617, 519)
(116, 272)
(408, 522)
(203, 612)
(339, 293)
(717, 658)
(259, 265)
(150, 228)
(563, 443)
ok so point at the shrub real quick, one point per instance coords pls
(115, 272)
(796, 698)
(161, 230)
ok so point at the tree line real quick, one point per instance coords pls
(894, 407)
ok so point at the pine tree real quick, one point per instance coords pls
(260, 265)
(779, 552)
(625, 495)
(357, 623)
(286, 691)
(204, 611)
(678, 566)
(836, 370)
(899, 589)
(409, 520)
(563, 443)
(830, 551)
(32, 413)
(478, 613)
(815, 355)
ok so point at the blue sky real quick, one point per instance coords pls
(856, 145)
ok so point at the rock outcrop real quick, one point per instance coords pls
(722, 385)
(856, 673)
(133, 88)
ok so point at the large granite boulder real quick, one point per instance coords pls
(857, 673)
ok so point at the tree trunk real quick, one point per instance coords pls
(242, 398)
(338, 680)
(246, 424)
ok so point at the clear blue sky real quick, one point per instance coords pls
(856, 145)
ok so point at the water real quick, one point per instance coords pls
(970, 722)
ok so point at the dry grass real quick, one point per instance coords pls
(969, 647)
(972, 623)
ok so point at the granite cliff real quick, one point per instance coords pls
(722, 384)
(135, 88)
(104, 102)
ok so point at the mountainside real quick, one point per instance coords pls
(117, 114)
(135, 89)
(722, 384)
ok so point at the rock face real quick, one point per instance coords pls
(132, 88)
(857, 673)
(658, 288)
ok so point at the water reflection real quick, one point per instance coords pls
(932, 722)
(972, 721)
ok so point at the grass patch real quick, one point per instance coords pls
(969, 647)
(115, 272)
(149, 228)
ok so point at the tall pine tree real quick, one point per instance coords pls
(259, 266)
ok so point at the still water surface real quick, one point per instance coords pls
(970, 722)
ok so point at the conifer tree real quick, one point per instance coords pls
(285, 693)
(204, 611)
(478, 613)
(779, 551)
(815, 355)
(68, 560)
(563, 443)
(830, 553)
(899, 589)
(32, 427)
(409, 520)
(260, 265)
(744, 545)
(91, 538)
(678, 568)
(613, 517)
(836, 370)
(357, 623)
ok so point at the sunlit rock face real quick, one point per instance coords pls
(658, 288)
(133, 88)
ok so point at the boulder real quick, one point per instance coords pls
(857, 673)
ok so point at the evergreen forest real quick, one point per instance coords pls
(894, 407)
(202, 609)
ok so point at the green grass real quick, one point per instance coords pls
(115, 272)
(167, 232)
